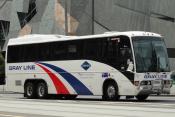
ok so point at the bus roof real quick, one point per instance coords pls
(41, 38)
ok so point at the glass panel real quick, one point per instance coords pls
(161, 53)
(116, 52)
(150, 54)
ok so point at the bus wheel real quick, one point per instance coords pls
(42, 90)
(110, 92)
(142, 97)
(29, 90)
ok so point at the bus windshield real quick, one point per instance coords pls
(150, 54)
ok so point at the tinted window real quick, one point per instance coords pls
(110, 51)
(13, 53)
(70, 50)
(92, 49)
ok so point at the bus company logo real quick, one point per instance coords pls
(86, 65)
(27, 67)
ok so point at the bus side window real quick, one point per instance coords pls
(44, 51)
(91, 49)
(72, 51)
(59, 51)
(15, 54)
(109, 52)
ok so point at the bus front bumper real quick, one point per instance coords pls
(155, 87)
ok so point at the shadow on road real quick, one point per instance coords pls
(151, 99)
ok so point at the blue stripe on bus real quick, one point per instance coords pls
(77, 85)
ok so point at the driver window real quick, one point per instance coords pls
(125, 52)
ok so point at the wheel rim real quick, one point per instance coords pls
(41, 91)
(29, 90)
(111, 91)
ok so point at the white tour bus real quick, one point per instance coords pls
(110, 65)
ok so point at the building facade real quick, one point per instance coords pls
(83, 17)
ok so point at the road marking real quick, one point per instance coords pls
(5, 115)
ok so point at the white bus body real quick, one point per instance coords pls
(110, 64)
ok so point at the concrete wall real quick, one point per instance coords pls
(145, 15)
(82, 17)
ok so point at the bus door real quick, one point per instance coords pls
(117, 52)
(126, 58)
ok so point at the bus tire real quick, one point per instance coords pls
(142, 97)
(42, 90)
(29, 90)
(110, 91)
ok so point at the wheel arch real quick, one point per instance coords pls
(35, 81)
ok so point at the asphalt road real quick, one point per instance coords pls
(14, 105)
